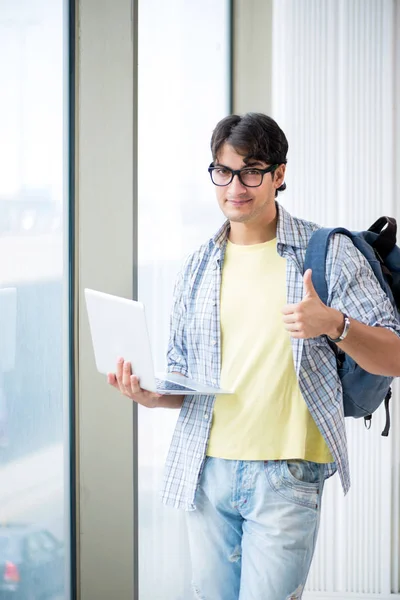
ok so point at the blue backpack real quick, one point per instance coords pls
(363, 392)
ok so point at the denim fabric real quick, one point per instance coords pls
(253, 534)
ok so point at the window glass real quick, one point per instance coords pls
(33, 287)
(183, 92)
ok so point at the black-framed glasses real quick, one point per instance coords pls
(249, 176)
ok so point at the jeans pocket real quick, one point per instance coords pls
(299, 484)
(304, 472)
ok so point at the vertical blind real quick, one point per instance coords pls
(335, 88)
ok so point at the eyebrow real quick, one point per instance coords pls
(253, 163)
(248, 165)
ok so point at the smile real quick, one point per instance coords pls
(238, 202)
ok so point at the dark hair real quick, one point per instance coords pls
(253, 135)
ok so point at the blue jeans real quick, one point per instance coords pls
(253, 533)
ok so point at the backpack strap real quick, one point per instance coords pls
(315, 258)
(385, 432)
(386, 228)
(368, 418)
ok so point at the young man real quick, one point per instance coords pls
(249, 468)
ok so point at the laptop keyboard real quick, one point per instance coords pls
(168, 385)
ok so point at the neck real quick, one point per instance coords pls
(246, 234)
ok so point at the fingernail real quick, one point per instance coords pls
(120, 360)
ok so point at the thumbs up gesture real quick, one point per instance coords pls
(311, 317)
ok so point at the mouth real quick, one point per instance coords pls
(238, 202)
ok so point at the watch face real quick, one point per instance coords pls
(346, 327)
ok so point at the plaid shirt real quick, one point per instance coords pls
(195, 343)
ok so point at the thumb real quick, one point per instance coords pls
(308, 287)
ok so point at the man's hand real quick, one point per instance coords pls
(311, 317)
(128, 384)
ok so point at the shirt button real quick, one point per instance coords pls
(213, 342)
(206, 416)
(214, 382)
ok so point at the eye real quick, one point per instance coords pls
(222, 171)
(251, 172)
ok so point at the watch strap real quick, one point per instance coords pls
(344, 333)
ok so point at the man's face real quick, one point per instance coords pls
(243, 204)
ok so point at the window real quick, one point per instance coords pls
(183, 92)
(34, 274)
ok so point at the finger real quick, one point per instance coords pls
(288, 319)
(308, 287)
(119, 368)
(126, 374)
(292, 327)
(289, 309)
(112, 380)
(134, 383)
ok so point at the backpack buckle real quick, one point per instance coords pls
(368, 421)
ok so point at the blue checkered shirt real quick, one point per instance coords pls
(195, 343)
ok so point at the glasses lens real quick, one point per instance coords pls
(221, 176)
(251, 177)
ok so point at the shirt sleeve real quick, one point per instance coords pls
(354, 289)
(177, 349)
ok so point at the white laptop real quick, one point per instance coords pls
(118, 328)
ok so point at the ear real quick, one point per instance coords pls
(279, 176)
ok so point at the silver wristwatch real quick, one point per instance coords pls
(344, 332)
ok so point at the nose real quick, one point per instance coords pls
(236, 187)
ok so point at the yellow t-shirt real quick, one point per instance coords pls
(267, 417)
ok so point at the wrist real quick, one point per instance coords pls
(336, 324)
(170, 401)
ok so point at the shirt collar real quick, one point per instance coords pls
(288, 231)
